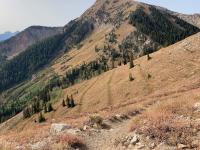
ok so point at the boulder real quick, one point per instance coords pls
(163, 146)
(197, 107)
(38, 145)
(85, 128)
(59, 127)
(73, 131)
(134, 140)
(181, 146)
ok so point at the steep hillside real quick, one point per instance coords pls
(24, 39)
(171, 76)
(109, 34)
(193, 19)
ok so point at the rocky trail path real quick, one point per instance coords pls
(109, 139)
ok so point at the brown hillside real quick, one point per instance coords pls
(172, 71)
(22, 40)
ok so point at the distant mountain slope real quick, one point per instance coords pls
(193, 19)
(29, 36)
(7, 35)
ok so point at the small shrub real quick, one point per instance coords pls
(96, 119)
(131, 77)
(148, 57)
(149, 76)
(72, 142)
(79, 46)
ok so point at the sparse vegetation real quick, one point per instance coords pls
(74, 142)
(96, 120)
(131, 60)
(163, 124)
(131, 77)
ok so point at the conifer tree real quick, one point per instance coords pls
(45, 108)
(26, 113)
(131, 77)
(49, 107)
(68, 102)
(63, 103)
(131, 60)
(112, 63)
(72, 102)
(148, 57)
(41, 118)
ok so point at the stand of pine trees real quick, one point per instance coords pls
(69, 102)
(159, 27)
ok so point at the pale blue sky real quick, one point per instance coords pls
(19, 14)
(183, 6)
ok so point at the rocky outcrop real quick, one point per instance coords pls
(59, 127)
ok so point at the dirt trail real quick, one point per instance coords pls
(84, 93)
(145, 76)
(106, 138)
(109, 92)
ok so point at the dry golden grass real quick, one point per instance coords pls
(67, 141)
(24, 139)
(169, 122)
(85, 54)
(174, 72)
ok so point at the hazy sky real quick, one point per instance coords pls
(183, 6)
(19, 14)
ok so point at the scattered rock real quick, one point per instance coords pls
(195, 144)
(74, 131)
(19, 147)
(57, 128)
(118, 116)
(197, 107)
(152, 145)
(181, 146)
(38, 145)
(134, 140)
(163, 146)
(140, 146)
(85, 128)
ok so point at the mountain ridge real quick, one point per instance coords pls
(6, 35)
(26, 38)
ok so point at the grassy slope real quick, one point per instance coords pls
(174, 75)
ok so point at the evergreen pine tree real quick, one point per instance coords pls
(131, 77)
(68, 102)
(131, 60)
(112, 63)
(148, 57)
(63, 103)
(45, 108)
(72, 102)
(49, 107)
(41, 118)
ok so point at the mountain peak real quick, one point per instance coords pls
(104, 11)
